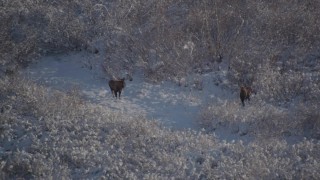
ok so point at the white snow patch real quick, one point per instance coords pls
(177, 107)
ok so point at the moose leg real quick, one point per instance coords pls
(242, 100)
(112, 91)
(119, 94)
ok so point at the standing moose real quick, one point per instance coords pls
(245, 93)
(117, 86)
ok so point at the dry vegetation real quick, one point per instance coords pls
(272, 46)
(50, 134)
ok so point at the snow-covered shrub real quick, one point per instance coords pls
(51, 134)
(46, 133)
(33, 28)
(257, 119)
(308, 117)
(185, 36)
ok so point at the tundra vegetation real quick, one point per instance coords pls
(274, 46)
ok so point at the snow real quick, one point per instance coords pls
(175, 106)
(178, 107)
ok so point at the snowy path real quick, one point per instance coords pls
(177, 107)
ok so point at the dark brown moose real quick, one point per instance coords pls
(117, 86)
(245, 93)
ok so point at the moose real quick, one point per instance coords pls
(117, 86)
(245, 93)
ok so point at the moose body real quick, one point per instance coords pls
(245, 93)
(117, 86)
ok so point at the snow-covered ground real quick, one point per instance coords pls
(175, 106)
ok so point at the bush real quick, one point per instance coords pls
(58, 135)
(257, 119)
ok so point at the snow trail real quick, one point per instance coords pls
(173, 105)
(176, 107)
